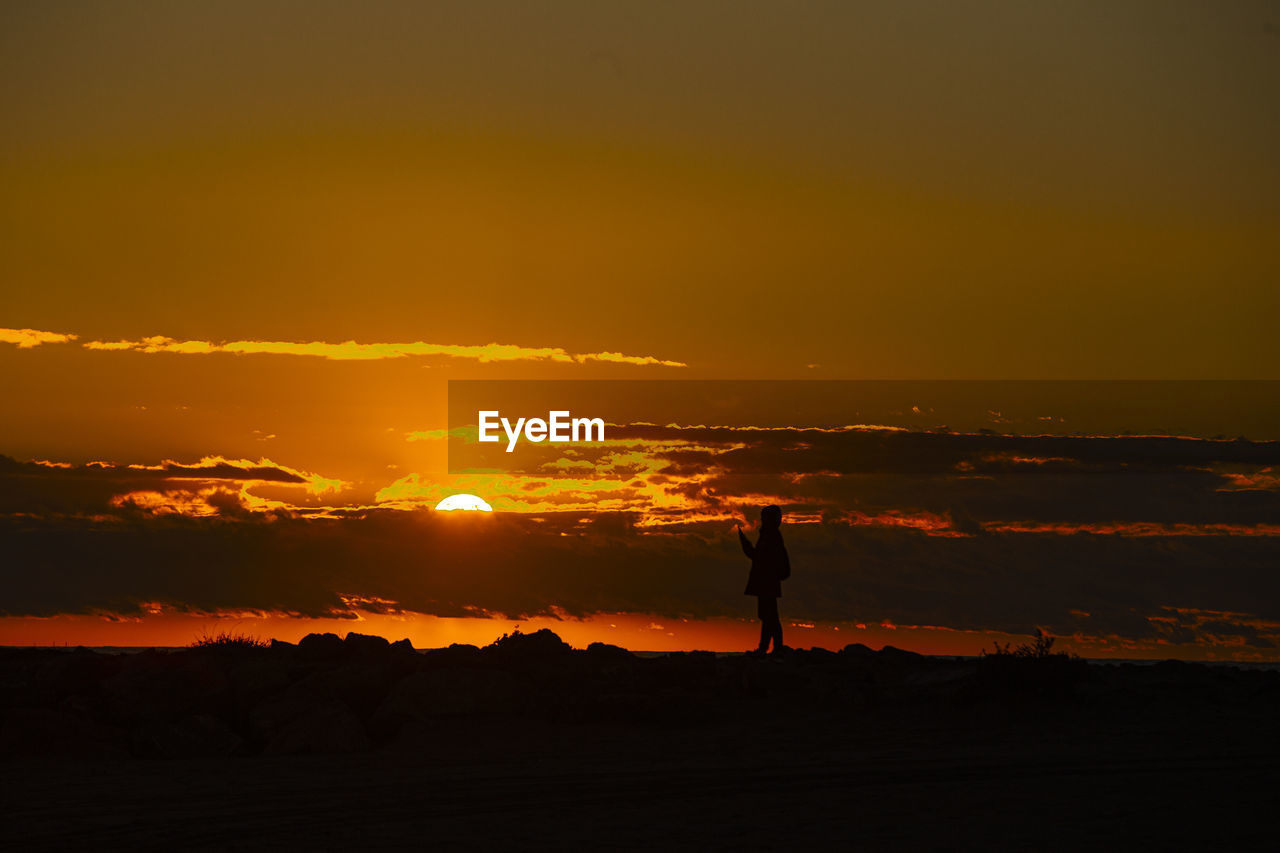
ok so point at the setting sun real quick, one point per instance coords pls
(471, 503)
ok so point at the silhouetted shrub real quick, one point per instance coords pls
(1040, 647)
(1031, 669)
(228, 640)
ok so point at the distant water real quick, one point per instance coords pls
(1265, 665)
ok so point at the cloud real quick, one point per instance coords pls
(264, 470)
(352, 351)
(944, 484)
(212, 486)
(1123, 485)
(28, 338)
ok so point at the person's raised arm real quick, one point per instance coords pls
(747, 547)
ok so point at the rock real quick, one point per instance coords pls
(365, 643)
(1267, 691)
(1176, 673)
(768, 676)
(606, 652)
(410, 700)
(403, 646)
(457, 654)
(893, 654)
(857, 651)
(612, 662)
(466, 690)
(60, 675)
(197, 736)
(518, 648)
(360, 683)
(151, 689)
(691, 670)
(319, 647)
(325, 729)
(271, 716)
(942, 675)
(45, 732)
(607, 706)
(254, 680)
(426, 696)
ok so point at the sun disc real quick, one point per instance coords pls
(470, 503)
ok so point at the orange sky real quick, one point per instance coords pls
(894, 191)
(633, 631)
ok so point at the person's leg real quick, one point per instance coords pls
(776, 626)
(770, 626)
(762, 611)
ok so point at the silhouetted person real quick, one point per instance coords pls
(770, 566)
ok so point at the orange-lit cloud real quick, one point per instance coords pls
(1263, 479)
(246, 470)
(28, 338)
(353, 351)
(211, 486)
(211, 468)
(1135, 528)
(193, 503)
(928, 523)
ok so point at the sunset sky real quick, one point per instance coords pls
(245, 247)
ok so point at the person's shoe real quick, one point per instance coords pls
(778, 650)
(757, 653)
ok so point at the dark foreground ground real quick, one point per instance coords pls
(528, 744)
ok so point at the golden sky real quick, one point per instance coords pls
(269, 233)
(978, 190)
